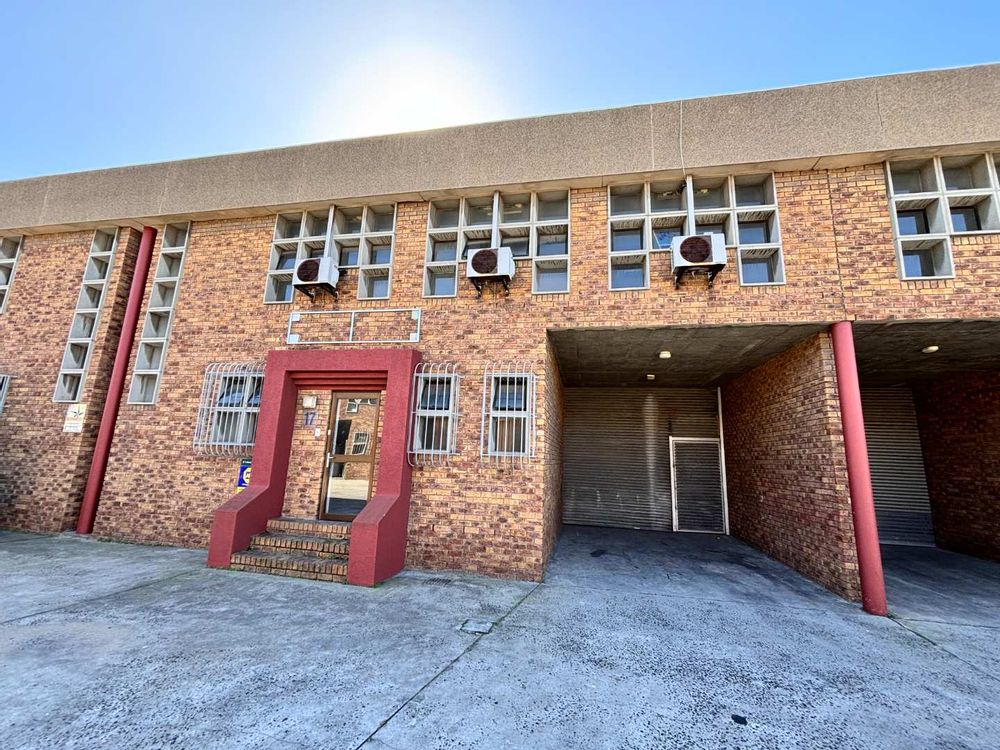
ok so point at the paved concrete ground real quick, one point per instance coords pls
(634, 641)
(952, 600)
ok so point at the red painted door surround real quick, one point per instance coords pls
(378, 534)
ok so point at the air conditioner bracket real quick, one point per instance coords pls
(480, 283)
(710, 271)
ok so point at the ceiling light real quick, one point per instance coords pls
(930, 349)
(650, 376)
(664, 354)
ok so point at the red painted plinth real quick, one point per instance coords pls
(378, 534)
(858, 472)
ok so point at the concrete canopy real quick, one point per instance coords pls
(705, 356)
(893, 353)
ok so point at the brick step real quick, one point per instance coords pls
(310, 527)
(289, 564)
(306, 544)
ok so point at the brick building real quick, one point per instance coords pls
(154, 336)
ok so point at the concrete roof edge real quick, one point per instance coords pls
(801, 124)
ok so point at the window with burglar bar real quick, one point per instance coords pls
(229, 409)
(434, 423)
(508, 430)
(360, 445)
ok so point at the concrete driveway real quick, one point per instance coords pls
(634, 641)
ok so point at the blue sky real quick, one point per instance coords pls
(97, 84)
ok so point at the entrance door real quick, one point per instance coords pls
(698, 485)
(349, 470)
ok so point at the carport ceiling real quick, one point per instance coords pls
(701, 356)
(892, 353)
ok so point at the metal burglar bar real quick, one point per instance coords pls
(4, 386)
(434, 420)
(508, 426)
(230, 404)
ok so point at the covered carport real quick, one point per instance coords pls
(723, 430)
(931, 397)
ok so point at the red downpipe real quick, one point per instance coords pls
(106, 433)
(858, 472)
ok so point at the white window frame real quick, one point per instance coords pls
(686, 217)
(217, 377)
(324, 233)
(423, 374)
(940, 199)
(151, 356)
(496, 376)
(4, 388)
(463, 233)
(86, 319)
(10, 253)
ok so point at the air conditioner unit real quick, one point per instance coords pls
(698, 253)
(490, 264)
(312, 274)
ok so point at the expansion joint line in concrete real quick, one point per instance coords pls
(444, 669)
(939, 647)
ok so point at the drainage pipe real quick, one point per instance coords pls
(858, 471)
(116, 387)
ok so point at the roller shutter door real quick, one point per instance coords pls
(902, 505)
(616, 451)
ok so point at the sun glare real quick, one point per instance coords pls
(396, 89)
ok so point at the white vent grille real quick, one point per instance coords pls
(229, 407)
(435, 413)
(508, 426)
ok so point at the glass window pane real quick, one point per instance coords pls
(750, 195)
(515, 208)
(507, 434)
(906, 181)
(759, 270)
(626, 200)
(552, 206)
(381, 255)
(433, 434)
(551, 279)
(623, 240)
(443, 250)
(378, 286)
(918, 263)
(479, 211)
(519, 246)
(754, 233)
(441, 282)
(552, 244)
(348, 255)
(628, 275)
(958, 178)
(912, 222)
(663, 237)
(435, 393)
(509, 393)
(286, 259)
(666, 197)
(965, 219)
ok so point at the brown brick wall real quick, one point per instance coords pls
(43, 470)
(495, 520)
(785, 465)
(959, 419)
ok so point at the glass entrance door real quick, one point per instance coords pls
(349, 470)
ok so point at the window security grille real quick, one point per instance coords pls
(159, 315)
(230, 404)
(4, 386)
(508, 427)
(93, 288)
(10, 251)
(434, 419)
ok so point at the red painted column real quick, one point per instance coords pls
(858, 472)
(106, 432)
